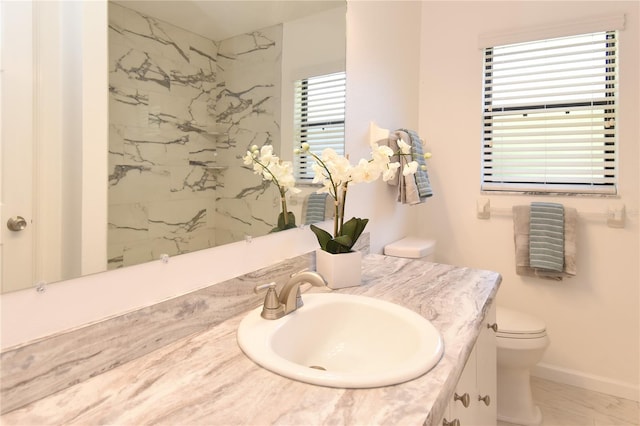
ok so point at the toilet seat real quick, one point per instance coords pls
(518, 325)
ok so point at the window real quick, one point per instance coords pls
(549, 115)
(319, 110)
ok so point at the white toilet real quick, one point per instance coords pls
(521, 340)
(412, 248)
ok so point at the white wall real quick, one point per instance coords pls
(382, 76)
(592, 319)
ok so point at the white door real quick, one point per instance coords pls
(16, 143)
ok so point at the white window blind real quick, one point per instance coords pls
(319, 111)
(549, 115)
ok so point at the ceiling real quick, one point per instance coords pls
(221, 19)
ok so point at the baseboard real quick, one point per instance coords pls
(587, 381)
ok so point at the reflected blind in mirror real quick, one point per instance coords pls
(319, 117)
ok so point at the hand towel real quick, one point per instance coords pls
(546, 236)
(316, 208)
(407, 187)
(421, 177)
(521, 219)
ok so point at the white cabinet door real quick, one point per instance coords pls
(486, 372)
(462, 402)
(474, 400)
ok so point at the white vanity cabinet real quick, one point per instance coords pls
(474, 400)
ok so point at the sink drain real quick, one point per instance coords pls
(317, 367)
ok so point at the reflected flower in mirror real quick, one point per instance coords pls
(280, 173)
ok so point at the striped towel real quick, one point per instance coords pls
(421, 176)
(316, 206)
(546, 236)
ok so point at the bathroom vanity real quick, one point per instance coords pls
(204, 377)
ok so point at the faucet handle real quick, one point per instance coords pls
(272, 308)
(271, 299)
(260, 287)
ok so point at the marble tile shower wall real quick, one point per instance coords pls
(247, 106)
(183, 110)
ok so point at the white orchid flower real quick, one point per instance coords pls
(365, 171)
(337, 166)
(390, 172)
(248, 159)
(381, 154)
(329, 155)
(273, 169)
(283, 173)
(336, 174)
(266, 154)
(319, 173)
(410, 168)
(405, 148)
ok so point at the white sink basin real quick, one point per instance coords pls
(343, 341)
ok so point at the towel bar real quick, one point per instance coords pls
(615, 214)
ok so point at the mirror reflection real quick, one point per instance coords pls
(192, 85)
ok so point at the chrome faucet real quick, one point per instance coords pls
(290, 299)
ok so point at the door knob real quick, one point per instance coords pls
(17, 223)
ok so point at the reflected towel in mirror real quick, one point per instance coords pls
(316, 208)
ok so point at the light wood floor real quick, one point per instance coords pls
(564, 405)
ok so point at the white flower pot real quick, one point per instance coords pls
(339, 270)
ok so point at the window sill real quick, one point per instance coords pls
(552, 194)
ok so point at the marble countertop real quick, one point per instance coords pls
(206, 379)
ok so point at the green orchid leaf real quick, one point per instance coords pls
(353, 228)
(361, 224)
(291, 219)
(334, 247)
(323, 236)
(345, 241)
(281, 225)
(350, 226)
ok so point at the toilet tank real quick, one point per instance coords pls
(412, 248)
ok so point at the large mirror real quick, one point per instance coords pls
(193, 84)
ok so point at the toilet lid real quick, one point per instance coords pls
(514, 322)
(411, 248)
